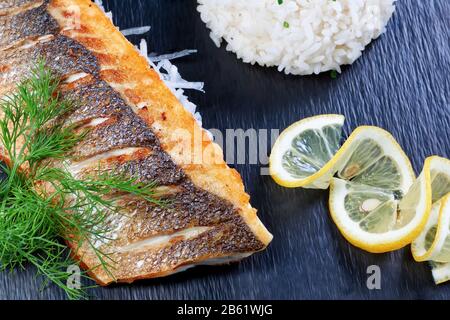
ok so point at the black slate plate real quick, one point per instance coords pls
(401, 83)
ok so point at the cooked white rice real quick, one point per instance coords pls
(298, 36)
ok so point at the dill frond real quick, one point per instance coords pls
(35, 220)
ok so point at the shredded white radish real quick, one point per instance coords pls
(100, 4)
(135, 31)
(166, 70)
(172, 56)
(172, 78)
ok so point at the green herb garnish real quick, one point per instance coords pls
(333, 74)
(41, 206)
(280, 2)
(286, 24)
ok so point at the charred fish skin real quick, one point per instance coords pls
(120, 128)
(197, 226)
(217, 242)
(63, 56)
(157, 167)
(17, 27)
(189, 207)
(11, 4)
(8, 7)
(99, 101)
(114, 133)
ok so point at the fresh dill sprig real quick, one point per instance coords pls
(41, 205)
(26, 131)
(29, 235)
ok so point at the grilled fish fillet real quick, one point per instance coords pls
(137, 128)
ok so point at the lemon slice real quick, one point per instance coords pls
(301, 156)
(375, 200)
(373, 176)
(441, 272)
(433, 243)
(370, 218)
(430, 245)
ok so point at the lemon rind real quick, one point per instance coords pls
(330, 166)
(378, 243)
(389, 240)
(296, 183)
(428, 255)
(441, 274)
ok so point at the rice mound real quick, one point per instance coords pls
(298, 36)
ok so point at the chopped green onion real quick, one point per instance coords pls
(333, 74)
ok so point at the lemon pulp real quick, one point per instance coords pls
(375, 199)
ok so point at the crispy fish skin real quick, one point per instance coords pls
(19, 27)
(133, 117)
(62, 54)
(8, 4)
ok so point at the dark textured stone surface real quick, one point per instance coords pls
(3, 174)
(401, 83)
